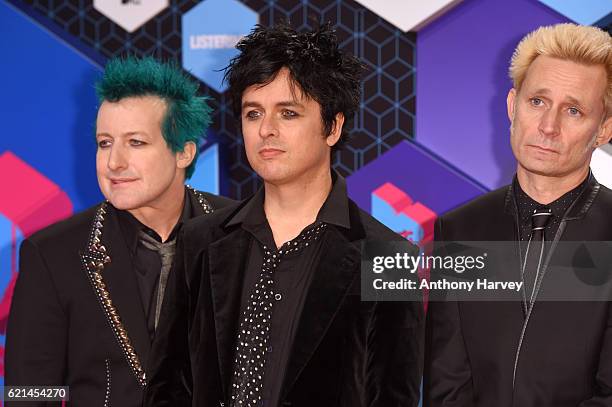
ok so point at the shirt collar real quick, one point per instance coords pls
(558, 207)
(131, 227)
(334, 211)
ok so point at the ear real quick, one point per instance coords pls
(605, 133)
(185, 157)
(336, 131)
(510, 103)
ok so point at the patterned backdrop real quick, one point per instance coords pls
(431, 132)
(387, 110)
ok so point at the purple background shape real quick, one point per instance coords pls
(417, 172)
(462, 83)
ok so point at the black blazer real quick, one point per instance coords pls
(61, 328)
(565, 359)
(346, 352)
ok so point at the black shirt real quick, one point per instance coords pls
(291, 280)
(526, 206)
(146, 263)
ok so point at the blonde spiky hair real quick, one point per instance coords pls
(578, 43)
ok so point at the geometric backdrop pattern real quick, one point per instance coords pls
(406, 162)
(387, 111)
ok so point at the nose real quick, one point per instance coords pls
(117, 158)
(549, 122)
(268, 127)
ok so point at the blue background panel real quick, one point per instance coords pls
(221, 18)
(48, 116)
(581, 11)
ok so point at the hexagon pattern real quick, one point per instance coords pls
(387, 113)
(450, 189)
(130, 14)
(209, 38)
(409, 15)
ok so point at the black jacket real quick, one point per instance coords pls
(62, 330)
(346, 352)
(565, 358)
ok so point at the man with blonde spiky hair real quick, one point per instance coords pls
(536, 351)
(88, 297)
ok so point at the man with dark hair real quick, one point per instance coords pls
(90, 288)
(537, 351)
(264, 306)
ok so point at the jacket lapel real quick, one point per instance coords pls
(108, 265)
(123, 288)
(227, 259)
(198, 201)
(577, 210)
(338, 267)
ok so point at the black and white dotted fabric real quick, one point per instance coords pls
(254, 330)
(527, 206)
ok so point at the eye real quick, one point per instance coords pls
(574, 111)
(536, 102)
(289, 114)
(104, 143)
(252, 114)
(136, 143)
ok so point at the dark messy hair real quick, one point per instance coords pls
(187, 115)
(321, 70)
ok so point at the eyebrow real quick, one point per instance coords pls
(284, 103)
(128, 134)
(290, 103)
(575, 101)
(570, 99)
(544, 91)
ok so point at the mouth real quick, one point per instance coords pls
(121, 181)
(267, 153)
(543, 149)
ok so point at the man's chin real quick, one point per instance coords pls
(124, 203)
(273, 175)
(278, 180)
(542, 168)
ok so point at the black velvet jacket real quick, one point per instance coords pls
(61, 327)
(346, 352)
(565, 358)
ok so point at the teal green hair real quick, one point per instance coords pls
(187, 115)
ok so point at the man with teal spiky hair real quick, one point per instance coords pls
(89, 294)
